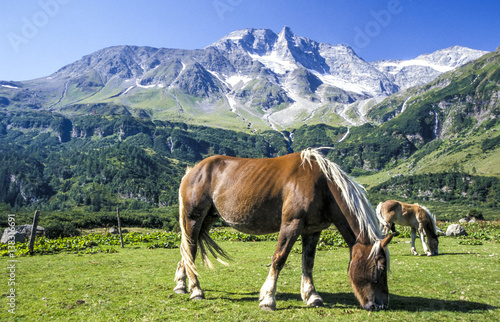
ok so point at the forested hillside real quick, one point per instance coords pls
(98, 162)
(447, 187)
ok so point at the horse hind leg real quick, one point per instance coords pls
(307, 289)
(180, 278)
(191, 222)
(413, 237)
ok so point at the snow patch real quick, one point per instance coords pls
(342, 84)
(10, 86)
(274, 63)
(235, 79)
(232, 103)
(415, 62)
(128, 89)
(216, 75)
(137, 83)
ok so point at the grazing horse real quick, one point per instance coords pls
(298, 194)
(415, 216)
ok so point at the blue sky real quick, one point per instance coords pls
(37, 37)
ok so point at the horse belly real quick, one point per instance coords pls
(253, 219)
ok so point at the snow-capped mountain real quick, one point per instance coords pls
(249, 78)
(425, 68)
(335, 65)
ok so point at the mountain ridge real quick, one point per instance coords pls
(252, 78)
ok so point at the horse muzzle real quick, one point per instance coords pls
(371, 306)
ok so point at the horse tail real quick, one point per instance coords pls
(352, 193)
(205, 242)
(380, 217)
(186, 241)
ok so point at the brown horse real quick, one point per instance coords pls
(415, 216)
(296, 195)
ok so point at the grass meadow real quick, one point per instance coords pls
(135, 284)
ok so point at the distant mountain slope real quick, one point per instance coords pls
(252, 79)
(454, 103)
(451, 123)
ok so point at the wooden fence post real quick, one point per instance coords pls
(119, 226)
(36, 217)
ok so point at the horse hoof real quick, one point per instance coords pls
(268, 304)
(180, 291)
(316, 303)
(268, 308)
(197, 295)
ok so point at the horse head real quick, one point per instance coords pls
(433, 242)
(368, 274)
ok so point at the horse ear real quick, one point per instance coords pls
(387, 240)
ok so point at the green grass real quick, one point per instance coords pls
(136, 284)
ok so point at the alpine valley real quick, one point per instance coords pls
(119, 126)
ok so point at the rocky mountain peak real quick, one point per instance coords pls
(255, 41)
(255, 74)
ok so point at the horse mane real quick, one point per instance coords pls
(353, 194)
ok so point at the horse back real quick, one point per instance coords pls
(398, 213)
(391, 210)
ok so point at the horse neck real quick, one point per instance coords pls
(361, 237)
(348, 226)
(347, 223)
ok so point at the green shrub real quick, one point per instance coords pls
(61, 229)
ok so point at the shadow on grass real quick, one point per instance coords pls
(409, 303)
(349, 301)
(439, 255)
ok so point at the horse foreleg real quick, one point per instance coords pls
(413, 237)
(422, 238)
(393, 229)
(307, 289)
(180, 279)
(287, 237)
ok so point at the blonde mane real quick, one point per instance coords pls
(353, 194)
